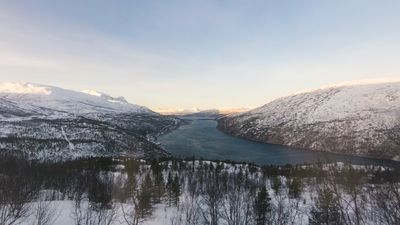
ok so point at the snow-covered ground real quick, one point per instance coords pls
(43, 99)
(47, 123)
(64, 214)
(292, 210)
(360, 119)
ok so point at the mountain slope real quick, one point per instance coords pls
(46, 100)
(352, 119)
(44, 122)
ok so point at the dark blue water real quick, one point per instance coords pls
(201, 139)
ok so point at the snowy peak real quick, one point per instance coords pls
(23, 88)
(107, 97)
(93, 92)
(221, 111)
(50, 123)
(43, 99)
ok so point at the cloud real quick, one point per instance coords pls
(188, 55)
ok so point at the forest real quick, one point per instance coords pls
(169, 191)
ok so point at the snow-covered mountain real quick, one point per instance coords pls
(361, 119)
(216, 113)
(210, 113)
(44, 122)
(46, 100)
(194, 111)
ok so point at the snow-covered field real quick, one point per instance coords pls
(64, 214)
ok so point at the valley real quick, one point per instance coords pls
(199, 112)
(201, 139)
(87, 158)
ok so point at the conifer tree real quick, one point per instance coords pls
(176, 190)
(276, 184)
(262, 207)
(169, 188)
(295, 187)
(159, 187)
(326, 209)
(145, 196)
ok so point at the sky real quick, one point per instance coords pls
(198, 54)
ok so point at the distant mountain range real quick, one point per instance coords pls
(356, 119)
(42, 122)
(196, 111)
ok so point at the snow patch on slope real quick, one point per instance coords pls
(70, 144)
(120, 100)
(48, 100)
(92, 92)
(23, 88)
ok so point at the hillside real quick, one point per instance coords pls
(351, 119)
(44, 122)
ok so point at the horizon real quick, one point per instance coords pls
(15, 87)
(198, 55)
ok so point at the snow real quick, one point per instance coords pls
(19, 88)
(365, 113)
(355, 83)
(92, 92)
(71, 146)
(64, 214)
(48, 100)
(52, 123)
(298, 209)
(380, 103)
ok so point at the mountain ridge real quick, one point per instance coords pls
(50, 123)
(33, 97)
(354, 119)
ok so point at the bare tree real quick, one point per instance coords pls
(280, 212)
(386, 199)
(97, 207)
(188, 212)
(212, 198)
(131, 213)
(237, 205)
(130, 202)
(15, 197)
(286, 211)
(345, 184)
(86, 214)
(44, 211)
(104, 216)
(78, 214)
(326, 209)
(352, 180)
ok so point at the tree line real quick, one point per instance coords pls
(107, 191)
